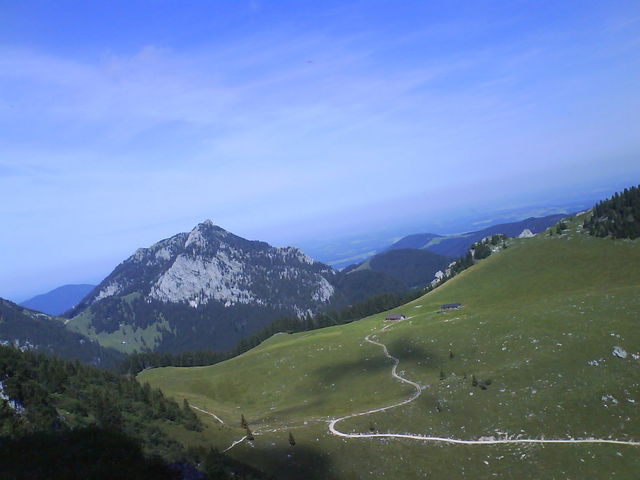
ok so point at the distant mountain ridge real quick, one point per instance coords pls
(58, 300)
(457, 245)
(414, 260)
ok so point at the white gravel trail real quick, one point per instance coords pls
(426, 438)
(209, 413)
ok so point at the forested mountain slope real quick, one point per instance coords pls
(64, 420)
(618, 216)
(27, 329)
(413, 268)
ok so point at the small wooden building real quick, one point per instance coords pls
(394, 317)
(450, 306)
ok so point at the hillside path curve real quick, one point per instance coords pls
(426, 438)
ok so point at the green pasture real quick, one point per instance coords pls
(537, 327)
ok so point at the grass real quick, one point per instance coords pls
(436, 240)
(539, 320)
(127, 338)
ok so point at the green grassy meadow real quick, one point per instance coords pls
(539, 320)
(126, 338)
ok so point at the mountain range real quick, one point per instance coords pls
(209, 289)
(58, 300)
(457, 245)
(412, 261)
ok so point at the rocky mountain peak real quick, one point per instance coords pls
(202, 233)
(210, 264)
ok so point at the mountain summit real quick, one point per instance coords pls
(208, 287)
(210, 264)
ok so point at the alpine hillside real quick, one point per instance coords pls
(535, 375)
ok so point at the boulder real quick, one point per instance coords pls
(619, 352)
(526, 233)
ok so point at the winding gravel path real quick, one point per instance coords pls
(426, 438)
(418, 390)
(209, 413)
(234, 444)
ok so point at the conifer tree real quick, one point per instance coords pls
(292, 441)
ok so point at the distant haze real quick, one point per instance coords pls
(125, 122)
(59, 300)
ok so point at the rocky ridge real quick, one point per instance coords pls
(203, 289)
(211, 264)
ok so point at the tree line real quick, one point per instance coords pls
(617, 217)
(77, 421)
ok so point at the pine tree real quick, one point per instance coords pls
(243, 422)
(292, 441)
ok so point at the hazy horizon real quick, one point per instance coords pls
(297, 123)
(319, 248)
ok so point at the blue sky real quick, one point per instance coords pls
(122, 123)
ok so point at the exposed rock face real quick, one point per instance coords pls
(526, 233)
(619, 352)
(211, 264)
(208, 277)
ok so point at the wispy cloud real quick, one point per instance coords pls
(284, 125)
